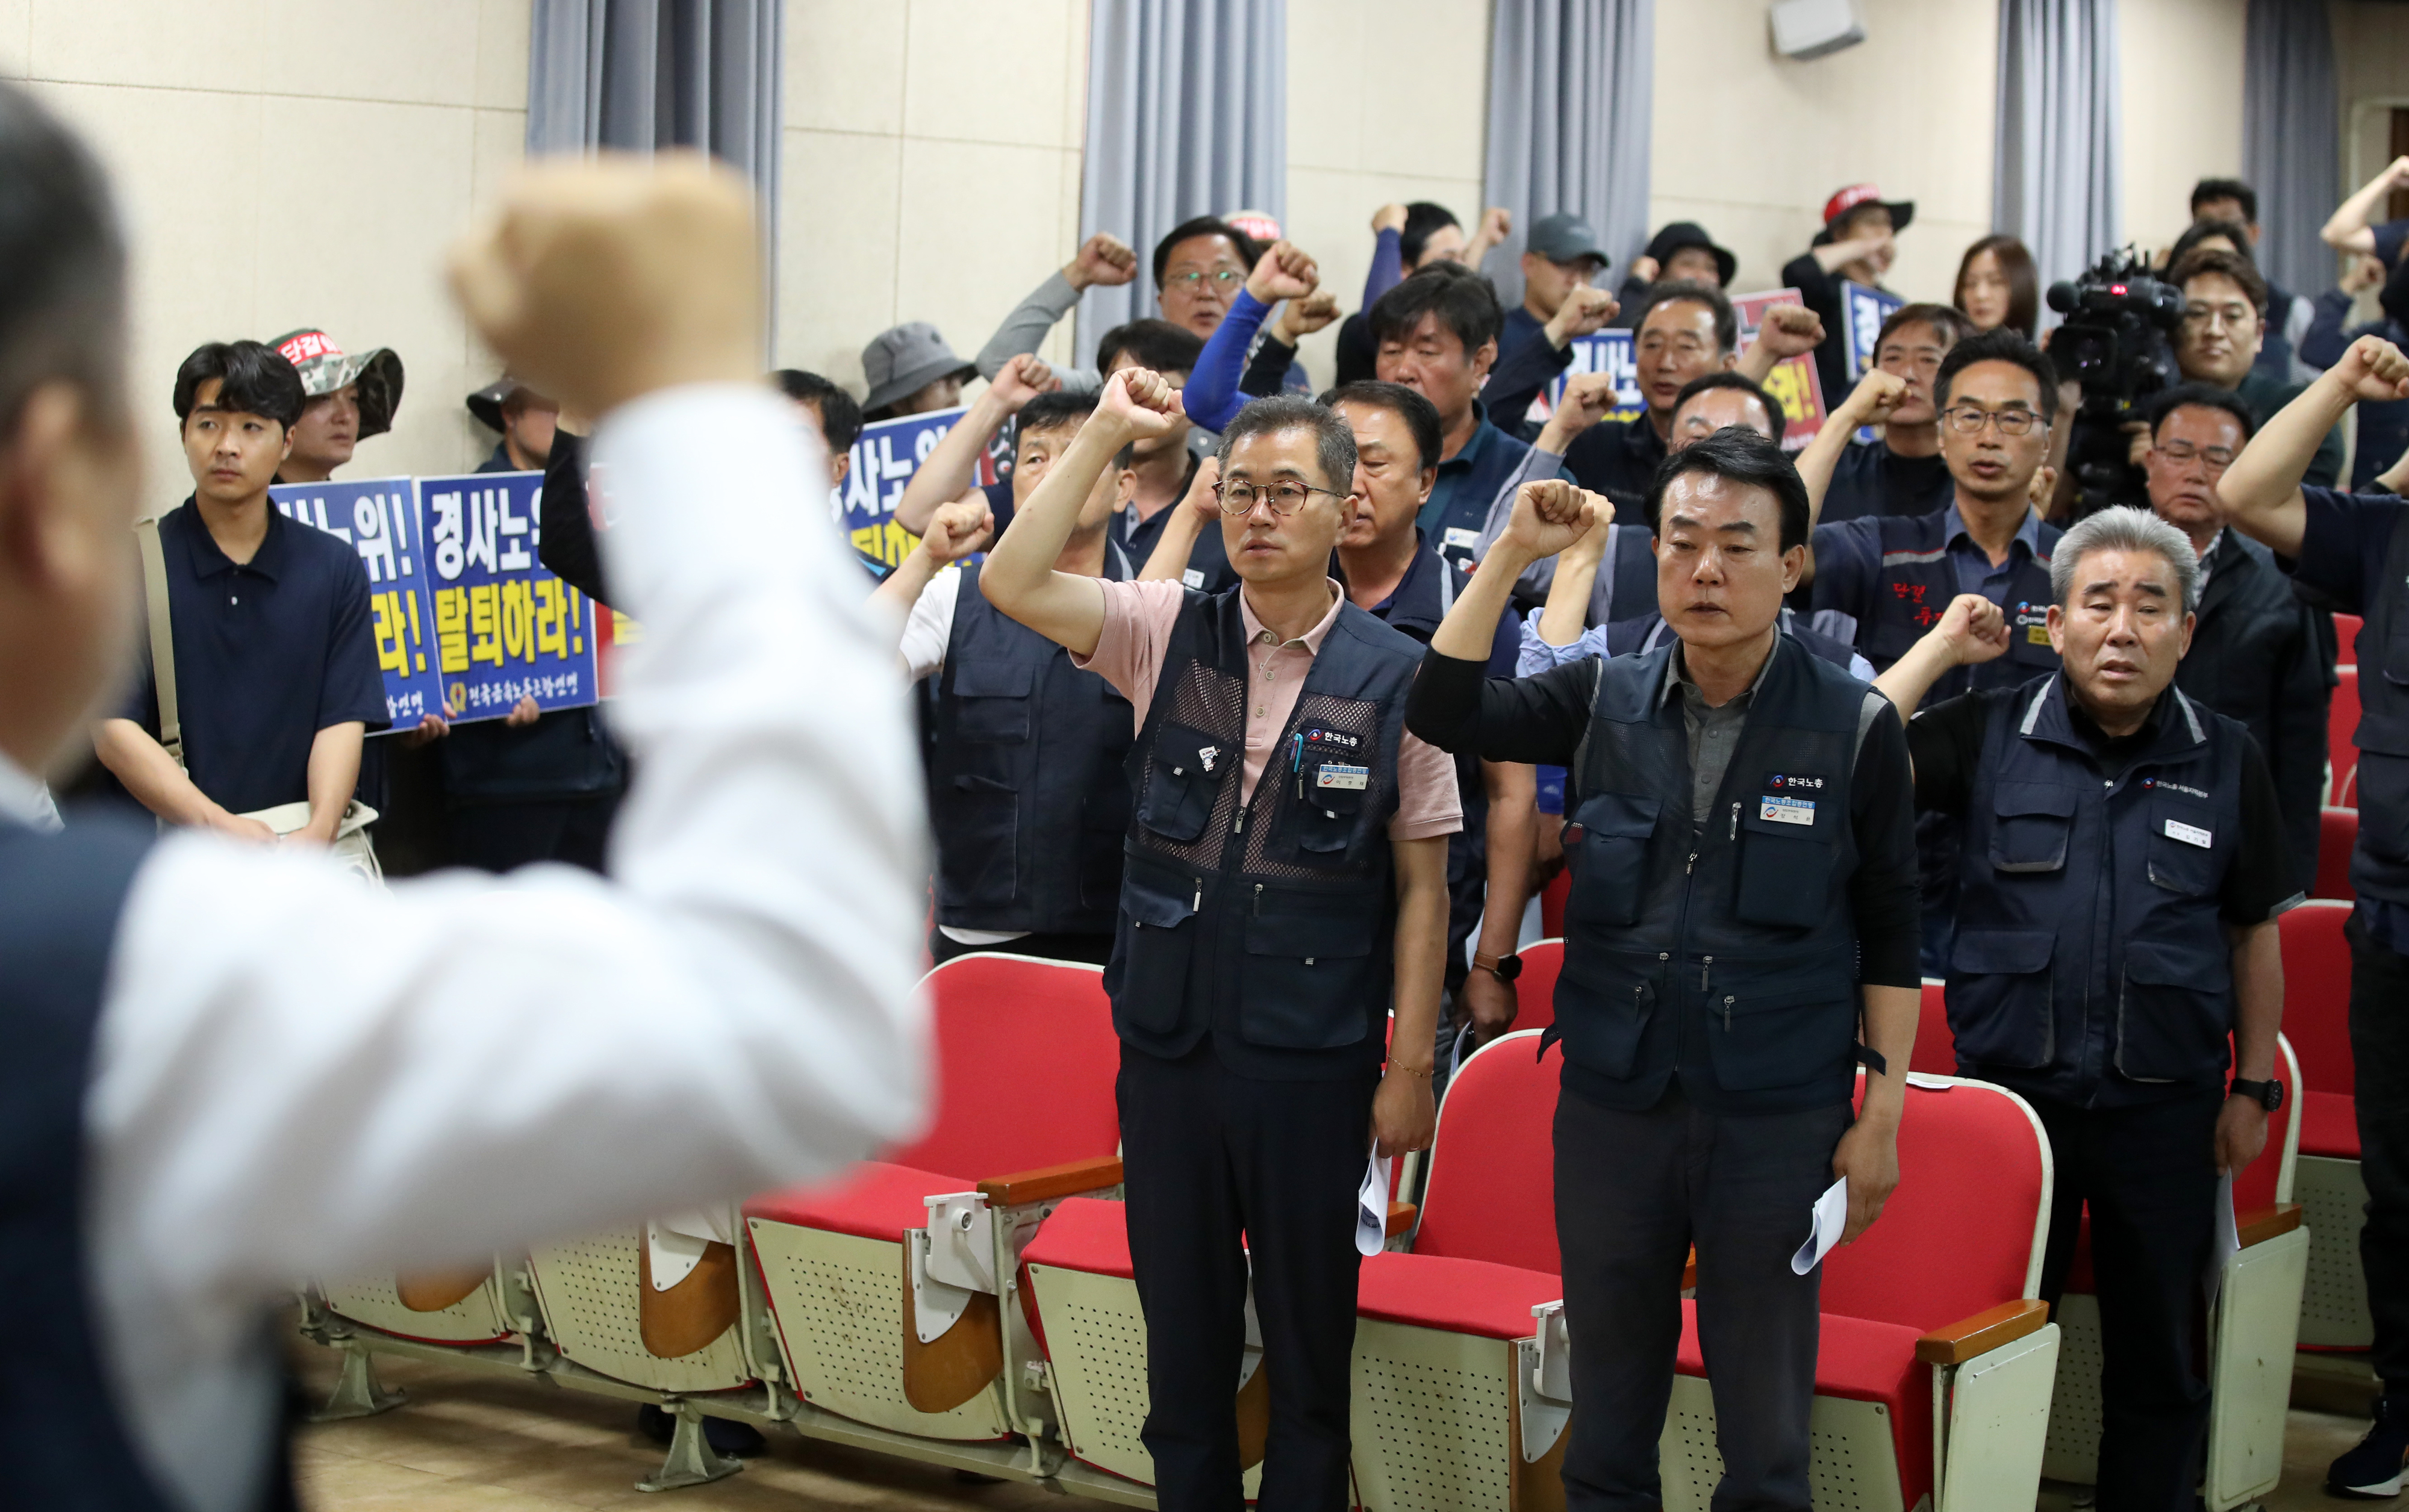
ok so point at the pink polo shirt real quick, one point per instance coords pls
(1138, 617)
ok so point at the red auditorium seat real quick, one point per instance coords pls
(1026, 1059)
(2329, 1186)
(1534, 991)
(1551, 904)
(2346, 628)
(2342, 732)
(1936, 1048)
(2337, 832)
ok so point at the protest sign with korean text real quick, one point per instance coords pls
(885, 457)
(378, 517)
(1792, 383)
(1862, 313)
(1606, 352)
(505, 626)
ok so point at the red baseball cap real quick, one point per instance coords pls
(1856, 196)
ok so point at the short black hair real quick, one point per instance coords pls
(1333, 439)
(2241, 269)
(1745, 457)
(1672, 289)
(1725, 378)
(1423, 218)
(2184, 396)
(2001, 345)
(257, 380)
(1054, 410)
(1157, 345)
(63, 300)
(1947, 321)
(2200, 231)
(839, 411)
(2208, 190)
(1203, 225)
(1464, 301)
(1409, 404)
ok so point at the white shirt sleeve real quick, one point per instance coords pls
(928, 631)
(296, 1077)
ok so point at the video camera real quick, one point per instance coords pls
(2116, 341)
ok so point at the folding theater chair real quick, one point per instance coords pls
(891, 1290)
(2337, 832)
(2328, 1185)
(2346, 628)
(465, 1308)
(1445, 1409)
(1936, 1049)
(2341, 733)
(2252, 1330)
(1534, 991)
(1934, 1368)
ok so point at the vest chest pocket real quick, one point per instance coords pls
(1309, 973)
(1325, 809)
(1157, 939)
(991, 701)
(1181, 777)
(2001, 1011)
(2030, 823)
(2173, 1010)
(2182, 850)
(1609, 859)
(1786, 856)
(979, 861)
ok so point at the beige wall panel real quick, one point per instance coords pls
(2182, 107)
(980, 72)
(837, 249)
(957, 264)
(158, 43)
(421, 52)
(845, 65)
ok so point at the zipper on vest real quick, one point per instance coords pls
(1258, 900)
(1728, 1002)
(1198, 906)
(1706, 973)
(1734, 823)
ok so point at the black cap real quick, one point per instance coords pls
(1680, 234)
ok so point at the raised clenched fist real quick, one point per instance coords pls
(1877, 396)
(2374, 369)
(1551, 514)
(597, 282)
(958, 528)
(1585, 312)
(1021, 380)
(1791, 331)
(1105, 261)
(1283, 271)
(1142, 402)
(1303, 317)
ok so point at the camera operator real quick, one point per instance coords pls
(2224, 322)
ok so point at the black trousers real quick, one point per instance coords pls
(1634, 1192)
(2379, 1049)
(2149, 1175)
(1210, 1156)
(1094, 949)
(503, 837)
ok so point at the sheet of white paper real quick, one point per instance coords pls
(1372, 1208)
(1825, 1221)
(2227, 1242)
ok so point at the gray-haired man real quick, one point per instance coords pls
(2121, 865)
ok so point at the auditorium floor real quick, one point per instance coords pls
(471, 1439)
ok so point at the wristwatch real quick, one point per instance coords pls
(1504, 968)
(2268, 1094)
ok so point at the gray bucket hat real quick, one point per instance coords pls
(324, 367)
(486, 403)
(903, 360)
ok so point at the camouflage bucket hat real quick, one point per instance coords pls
(324, 367)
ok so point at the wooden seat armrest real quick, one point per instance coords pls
(2262, 1224)
(1401, 1218)
(1049, 1182)
(1984, 1331)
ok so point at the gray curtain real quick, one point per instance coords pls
(1571, 83)
(1186, 115)
(2058, 168)
(2291, 137)
(637, 75)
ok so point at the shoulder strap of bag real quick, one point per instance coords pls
(163, 637)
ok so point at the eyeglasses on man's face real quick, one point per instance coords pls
(2184, 453)
(1220, 281)
(1286, 497)
(1968, 420)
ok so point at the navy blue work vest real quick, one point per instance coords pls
(1268, 925)
(2089, 946)
(1648, 632)
(1918, 579)
(61, 1434)
(1419, 606)
(1724, 950)
(1025, 787)
(2379, 863)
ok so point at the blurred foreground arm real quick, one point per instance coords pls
(299, 1076)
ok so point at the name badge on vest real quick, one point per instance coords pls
(2190, 834)
(1350, 779)
(2033, 619)
(1458, 536)
(1797, 810)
